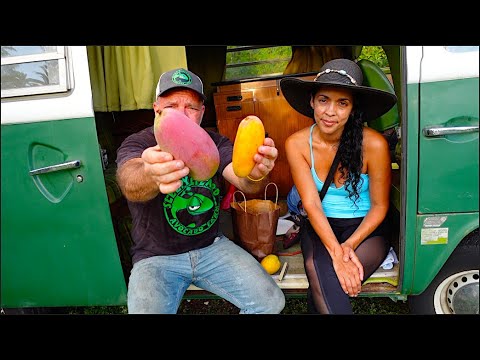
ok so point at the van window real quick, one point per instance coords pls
(32, 70)
(459, 49)
(247, 62)
(256, 61)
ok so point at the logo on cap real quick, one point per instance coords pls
(181, 77)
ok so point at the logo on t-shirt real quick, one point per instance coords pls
(194, 207)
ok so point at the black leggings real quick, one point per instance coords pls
(325, 294)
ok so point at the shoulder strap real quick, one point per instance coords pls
(311, 146)
(329, 178)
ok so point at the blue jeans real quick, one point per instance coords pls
(157, 284)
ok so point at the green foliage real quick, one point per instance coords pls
(375, 54)
(273, 61)
(267, 53)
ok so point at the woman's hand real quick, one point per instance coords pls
(348, 274)
(349, 255)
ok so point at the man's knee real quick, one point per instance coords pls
(278, 302)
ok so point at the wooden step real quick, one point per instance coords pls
(295, 280)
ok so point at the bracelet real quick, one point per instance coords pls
(256, 180)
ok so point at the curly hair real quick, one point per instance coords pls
(351, 154)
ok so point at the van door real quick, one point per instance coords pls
(448, 159)
(58, 245)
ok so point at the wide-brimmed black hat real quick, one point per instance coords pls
(340, 73)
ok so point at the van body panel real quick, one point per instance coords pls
(409, 178)
(443, 208)
(75, 103)
(438, 236)
(58, 243)
(413, 59)
(443, 63)
(448, 164)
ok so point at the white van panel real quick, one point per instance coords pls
(439, 64)
(77, 103)
(414, 58)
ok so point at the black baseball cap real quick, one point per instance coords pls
(179, 78)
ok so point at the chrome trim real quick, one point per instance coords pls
(75, 164)
(433, 131)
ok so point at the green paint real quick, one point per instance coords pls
(446, 171)
(449, 165)
(58, 246)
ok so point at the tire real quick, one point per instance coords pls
(455, 289)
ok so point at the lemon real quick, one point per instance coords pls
(271, 263)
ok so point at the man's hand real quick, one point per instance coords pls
(163, 169)
(265, 159)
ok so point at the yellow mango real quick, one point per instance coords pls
(250, 135)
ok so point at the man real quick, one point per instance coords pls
(166, 257)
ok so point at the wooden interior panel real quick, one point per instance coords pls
(264, 99)
(228, 118)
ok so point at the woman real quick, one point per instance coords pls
(348, 235)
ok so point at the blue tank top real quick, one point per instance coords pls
(336, 203)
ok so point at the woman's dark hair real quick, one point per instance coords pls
(351, 154)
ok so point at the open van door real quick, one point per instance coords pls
(58, 245)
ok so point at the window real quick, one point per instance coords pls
(256, 61)
(263, 61)
(31, 70)
(459, 49)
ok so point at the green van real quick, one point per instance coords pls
(64, 227)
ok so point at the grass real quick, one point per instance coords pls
(218, 306)
(293, 306)
(296, 306)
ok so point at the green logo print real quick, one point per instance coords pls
(181, 77)
(193, 208)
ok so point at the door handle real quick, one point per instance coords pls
(75, 164)
(433, 131)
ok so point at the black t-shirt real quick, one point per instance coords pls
(185, 220)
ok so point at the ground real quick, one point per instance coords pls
(366, 306)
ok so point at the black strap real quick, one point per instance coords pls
(329, 178)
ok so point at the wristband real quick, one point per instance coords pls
(256, 180)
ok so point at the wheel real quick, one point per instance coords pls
(455, 289)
